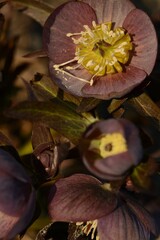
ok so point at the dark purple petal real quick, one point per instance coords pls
(122, 224)
(69, 81)
(17, 198)
(111, 10)
(26, 216)
(140, 27)
(114, 167)
(6, 224)
(143, 216)
(115, 85)
(10, 225)
(79, 198)
(133, 140)
(10, 166)
(68, 18)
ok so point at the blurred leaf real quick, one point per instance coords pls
(3, 3)
(9, 70)
(1, 21)
(4, 141)
(55, 114)
(143, 176)
(37, 9)
(146, 107)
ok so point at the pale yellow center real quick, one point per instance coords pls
(109, 145)
(101, 50)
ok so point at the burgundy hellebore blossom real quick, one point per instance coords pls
(100, 49)
(17, 197)
(101, 213)
(110, 148)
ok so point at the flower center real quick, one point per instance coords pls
(109, 145)
(102, 50)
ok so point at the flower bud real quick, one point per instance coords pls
(110, 148)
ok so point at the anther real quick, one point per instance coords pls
(94, 24)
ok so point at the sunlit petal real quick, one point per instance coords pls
(139, 25)
(111, 11)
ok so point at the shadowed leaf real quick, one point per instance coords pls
(54, 114)
(115, 104)
(146, 107)
(37, 9)
(3, 3)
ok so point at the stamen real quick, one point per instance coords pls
(89, 31)
(101, 50)
(104, 28)
(96, 68)
(90, 63)
(89, 228)
(73, 68)
(57, 66)
(94, 24)
(73, 34)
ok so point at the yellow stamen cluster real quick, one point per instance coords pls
(100, 50)
(89, 227)
(109, 145)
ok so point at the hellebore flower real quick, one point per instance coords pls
(110, 148)
(100, 49)
(108, 216)
(17, 197)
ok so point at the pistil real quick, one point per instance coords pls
(109, 145)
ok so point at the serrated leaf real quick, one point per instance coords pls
(37, 9)
(54, 114)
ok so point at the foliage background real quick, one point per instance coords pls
(23, 35)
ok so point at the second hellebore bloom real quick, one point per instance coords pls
(110, 148)
(100, 49)
(108, 216)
